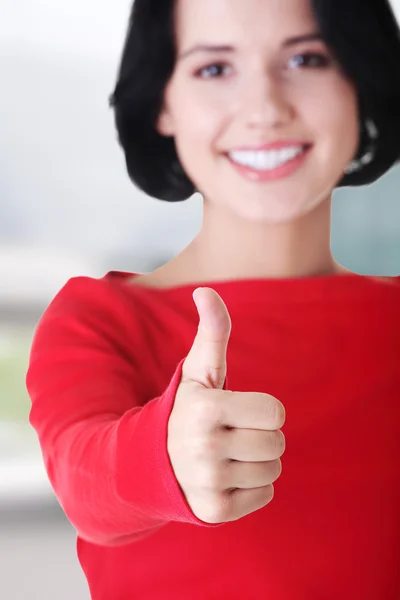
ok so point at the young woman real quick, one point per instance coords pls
(159, 399)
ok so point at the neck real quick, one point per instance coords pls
(229, 247)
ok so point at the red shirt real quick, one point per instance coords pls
(104, 367)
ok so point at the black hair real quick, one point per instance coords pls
(363, 36)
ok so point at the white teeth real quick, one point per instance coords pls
(265, 159)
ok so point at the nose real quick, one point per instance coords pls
(266, 105)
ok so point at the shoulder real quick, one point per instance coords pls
(89, 309)
(384, 282)
(103, 329)
(392, 283)
(384, 292)
(93, 296)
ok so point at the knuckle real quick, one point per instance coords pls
(281, 414)
(277, 469)
(221, 509)
(266, 494)
(274, 413)
(206, 410)
(206, 448)
(216, 509)
(279, 443)
(272, 471)
(209, 478)
(269, 493)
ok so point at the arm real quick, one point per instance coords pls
(104, 451)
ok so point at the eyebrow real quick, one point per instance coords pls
(215, 48)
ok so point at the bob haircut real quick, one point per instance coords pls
(363, 35)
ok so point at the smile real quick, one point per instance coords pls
(267, 165)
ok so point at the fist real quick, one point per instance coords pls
(224, 446)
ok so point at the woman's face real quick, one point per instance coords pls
(258, 86)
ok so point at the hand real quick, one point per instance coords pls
(224, 446)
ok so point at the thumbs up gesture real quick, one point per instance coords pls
(224, 446)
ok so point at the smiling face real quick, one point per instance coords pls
(265, 78)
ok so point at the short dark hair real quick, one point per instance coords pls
(363, 36)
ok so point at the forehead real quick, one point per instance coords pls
(242, 21)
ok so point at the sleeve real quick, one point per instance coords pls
(104, 450)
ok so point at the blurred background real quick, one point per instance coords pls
(67, 208)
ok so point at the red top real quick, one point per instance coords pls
(104, 367)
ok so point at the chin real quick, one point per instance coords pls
(274, 210)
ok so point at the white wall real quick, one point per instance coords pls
(62, 174)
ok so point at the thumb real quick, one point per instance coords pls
(206, 361)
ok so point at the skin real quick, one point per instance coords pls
(259, 92)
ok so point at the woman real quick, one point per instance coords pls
(165, 467)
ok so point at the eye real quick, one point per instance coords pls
(312, 60)
(211, 71)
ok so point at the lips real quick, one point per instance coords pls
(280, 172)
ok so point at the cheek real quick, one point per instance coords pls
(197, 128)
(190, 145)
(196, 135)
(335, 117)
(196, 115)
